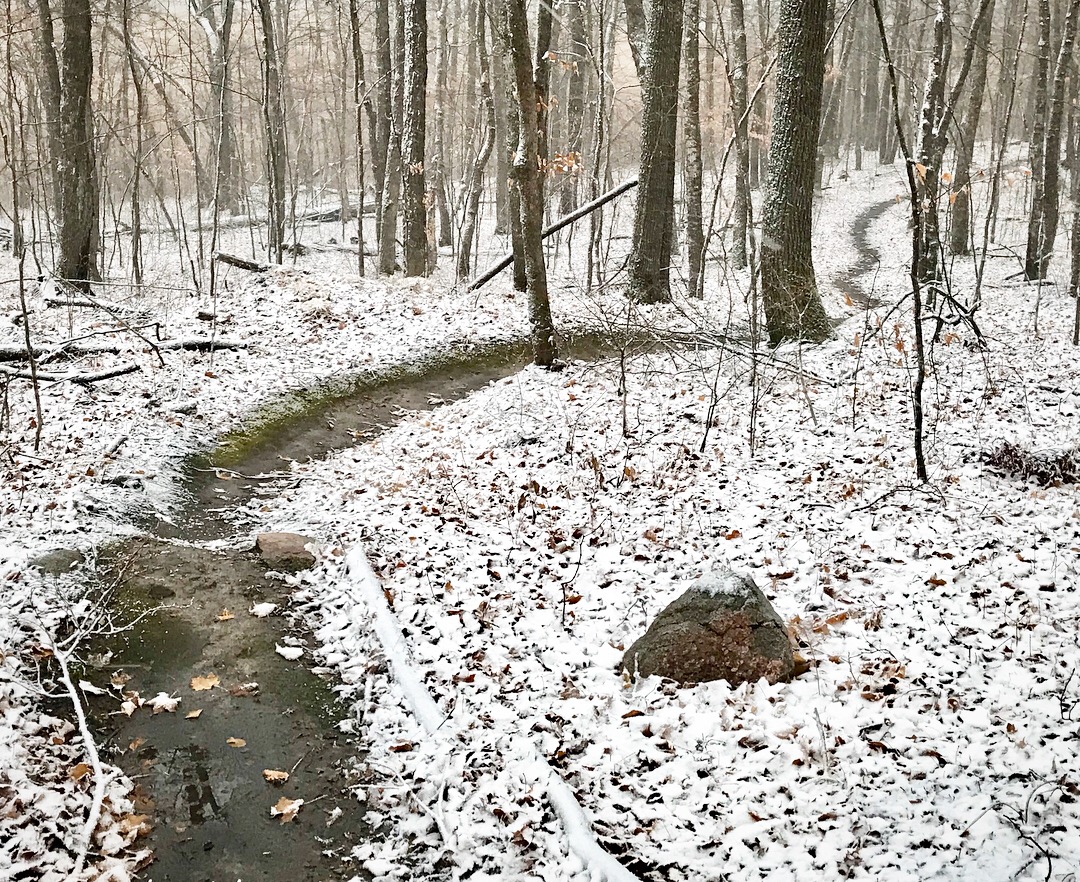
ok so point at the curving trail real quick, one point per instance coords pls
(851, 280)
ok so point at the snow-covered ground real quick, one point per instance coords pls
(522, 537)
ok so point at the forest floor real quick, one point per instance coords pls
(507, 546)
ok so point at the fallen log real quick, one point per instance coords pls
(203, 344)
(241, 262)
(20, 353)
(588, 208)
(80, 379)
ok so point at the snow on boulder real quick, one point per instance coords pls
(721, 628)
(285, 551)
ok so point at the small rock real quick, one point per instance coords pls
(721, 628)
(285, 551)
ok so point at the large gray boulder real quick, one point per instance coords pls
(285, 551)
(721, 628)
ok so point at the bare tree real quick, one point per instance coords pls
(692, 166)
(793, 307)
(650, 256)
(274, 118)
(412, 138)
(526, 179)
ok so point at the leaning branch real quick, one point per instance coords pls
(588, 208)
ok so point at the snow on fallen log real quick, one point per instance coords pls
(79, 379)
(599, 864)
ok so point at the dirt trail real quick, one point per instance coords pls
(851, 281)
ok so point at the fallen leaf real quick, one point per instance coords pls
(286, 809)
(137, 824)
(244, 690)
(163, 702)
(632, 713)
(89, 688)
(224, 616)
(79, 772)
(193, 715)
(403, 747)
(236, 742)
(136, 743)
(262, 610)
(202, 684)
(274, 776)
(119, 679)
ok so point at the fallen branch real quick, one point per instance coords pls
(21, 353)
(588, 208)
(241, 262)
(600, 865)
(203, 344)
(79, 379)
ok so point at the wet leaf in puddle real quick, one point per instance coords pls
(286, 809)
(193, 715)
(79, 772)
(202, 684)
(275, 776)
(236, 742)
(244, 690)
(119, 679)
(163, 702)
(136, 743)
(224, 616)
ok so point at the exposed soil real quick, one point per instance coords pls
(851, 281)
(207, 800)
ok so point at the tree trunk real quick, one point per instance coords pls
(692, 176)
(384, 110)
(438, 149)
(960, 230)
(359, 87)
(412, 138)
(650, 256)
(793, 307)
(392, 188)
(1032, 264)
(79, 190)
(1046, 212)
(637, 36)
(526, 180)
(740, 72)
(476, 183)
(274, 117)
(577, 57)
(49, 87)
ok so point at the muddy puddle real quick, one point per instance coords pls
(200, 778)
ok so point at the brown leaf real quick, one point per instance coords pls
(244, 690)
(236, 742)
(79, 772)
(119, 679)
(193, 715)
(224, 616)
(402, 747)
(137, 824)
(274, 776)
(633, 713)
(286, 809)
(203, 684)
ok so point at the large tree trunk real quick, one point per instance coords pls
(526, 180)
(359, 99)
(79, 190)
(637, 36)
(216, 20)
(1037, 155)
(931, 148)
(960, 230)
(650, 257)
(392, 187)
(793, 308)
(274, 118)
(692, 171)
(1045, 212)
(384, 110)
(412, 141)
(438, 149)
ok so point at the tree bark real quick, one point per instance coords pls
(79, 189)
(476, 182)
(692, 170)
(960, 229)
(412, 141)
(740, 71)
(274, 118)
(1037, 157)
(392, 187)
(1045, 212)
(577, 57)
(526, 180)
(793, 307)
(650, 257)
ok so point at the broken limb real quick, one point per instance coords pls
(590, 207)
